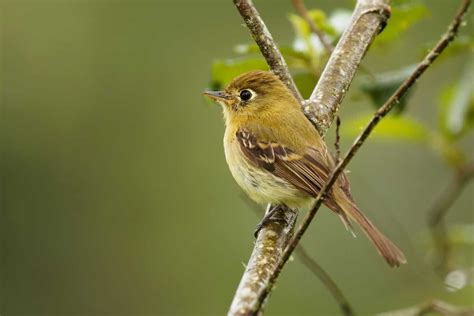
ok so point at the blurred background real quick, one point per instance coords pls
(115, 195)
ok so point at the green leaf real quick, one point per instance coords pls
(305, 40)
(456, 106)
(402, 18)
(300, 27)
(390, 128)
(380, 87)
(321, 21)
(223, 71)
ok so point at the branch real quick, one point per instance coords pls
(266, 44)
(441, 206)
(401, 91)
(269, 245)
(368, 19)
(314, 267)
(301, 9)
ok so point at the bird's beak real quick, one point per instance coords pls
(218, 95)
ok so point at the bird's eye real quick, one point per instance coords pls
(245, 95)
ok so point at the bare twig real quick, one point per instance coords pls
(338, 139)
(447, 37)
(435, 306)
(301, 9)
(267, 45)
(438, 212)
(368, 19)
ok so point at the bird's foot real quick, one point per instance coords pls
(269, 217)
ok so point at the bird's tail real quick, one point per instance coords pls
(391, 253)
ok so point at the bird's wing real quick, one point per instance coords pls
(304, 170)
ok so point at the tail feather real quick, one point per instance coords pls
(391, 253)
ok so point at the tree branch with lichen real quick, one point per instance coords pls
(315, 268)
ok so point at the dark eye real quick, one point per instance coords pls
(245, 95)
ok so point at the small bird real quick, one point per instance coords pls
(277, 156)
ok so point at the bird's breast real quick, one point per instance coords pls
(261, 185)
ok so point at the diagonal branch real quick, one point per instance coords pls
(446, 38)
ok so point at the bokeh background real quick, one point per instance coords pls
(116, 198)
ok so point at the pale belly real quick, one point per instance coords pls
(259, 184)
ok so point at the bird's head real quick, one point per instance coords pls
(254, 93)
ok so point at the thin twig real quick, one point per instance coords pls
(338, 139)
(368, 19)
(439, 209)
(389, 104)
(301, 9)
(266, 44)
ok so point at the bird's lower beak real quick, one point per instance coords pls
(218, 95)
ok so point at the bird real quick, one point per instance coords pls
(277, 156)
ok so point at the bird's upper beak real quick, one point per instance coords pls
(218, 95)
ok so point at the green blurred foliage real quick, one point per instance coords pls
(302, 28)
(382, 86)
(406, 129)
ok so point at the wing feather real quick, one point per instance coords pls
(304, 171)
